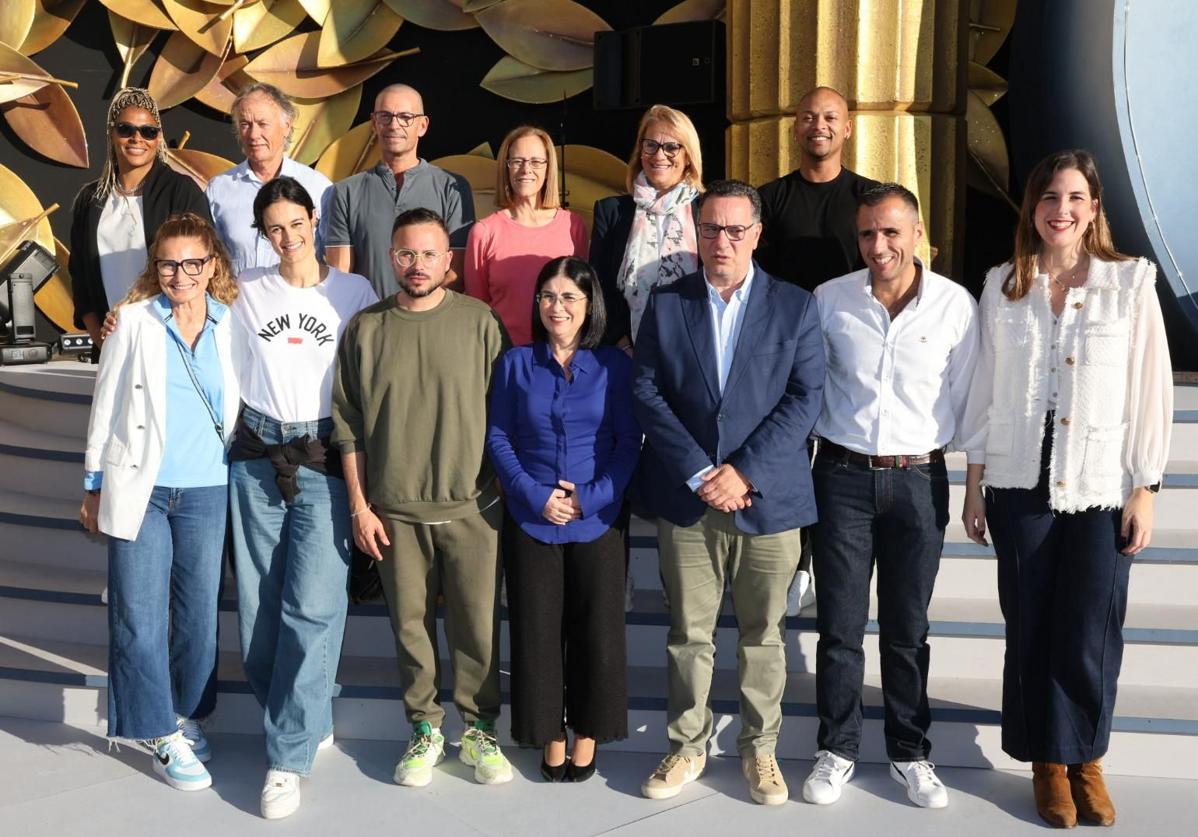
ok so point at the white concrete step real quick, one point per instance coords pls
(65, 682)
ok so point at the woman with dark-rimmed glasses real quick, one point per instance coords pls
(114, 218)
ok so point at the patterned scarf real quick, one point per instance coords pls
(661, 245)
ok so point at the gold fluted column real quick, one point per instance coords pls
(901, 65)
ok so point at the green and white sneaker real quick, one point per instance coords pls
(425, 750)
(481, 751)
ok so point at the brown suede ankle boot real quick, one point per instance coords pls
(1089, 793)
(1054, 803)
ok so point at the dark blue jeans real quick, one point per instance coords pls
(1062, 584)
(894, 518)
(163, 589)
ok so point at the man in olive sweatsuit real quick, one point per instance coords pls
(410, 416)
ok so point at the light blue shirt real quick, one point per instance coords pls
(726, 321)
(193, 455)
(231, 198)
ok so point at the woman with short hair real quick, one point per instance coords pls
(565, 444)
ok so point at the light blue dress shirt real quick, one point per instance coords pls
(231, 198)
(726, 321)
(193, 455)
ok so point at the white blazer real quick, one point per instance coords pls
(126, 435)
(1114, 412)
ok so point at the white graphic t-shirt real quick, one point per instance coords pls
(286, 339)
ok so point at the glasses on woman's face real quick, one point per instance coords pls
(735, 232)
(192, 267)
(407, 258)
(125, 130)
(383, 118)
(650, 148)
(534, 163)
(568, 299)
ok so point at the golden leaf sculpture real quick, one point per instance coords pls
(49, 22)
(22, 218)
(475, 6)
(520, 82)
(354, 30)
(483, 149)
(479, 172)
(16, 19)
(201, 23)
(200, 166)
(690, 10)
(987, 84)
(132, 40)
(321, 121)
(182, 70)
(146, 12)
(990, 22)
(591, 174)
(291, 66)
(54, 299)
(221, 90)
(49, 124)
(19, 76)
(989, 166)
(265, 22)
(441, 15)
(318, 10)
(354, 152)
(549, 34)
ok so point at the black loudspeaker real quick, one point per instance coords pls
(672, 64)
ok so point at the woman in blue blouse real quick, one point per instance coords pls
(565, 444)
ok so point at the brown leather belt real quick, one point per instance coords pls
(877, 463)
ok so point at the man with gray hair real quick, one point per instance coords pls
(263, 117)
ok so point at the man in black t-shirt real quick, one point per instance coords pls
(809, 216)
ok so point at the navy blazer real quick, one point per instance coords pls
(760, 424)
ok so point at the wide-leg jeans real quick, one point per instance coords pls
(292, 562)
(163, 593)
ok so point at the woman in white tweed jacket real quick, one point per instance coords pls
(1067, 434)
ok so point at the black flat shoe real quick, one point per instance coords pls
(574, 773)
(554, 772)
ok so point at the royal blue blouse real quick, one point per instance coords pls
(544, 428)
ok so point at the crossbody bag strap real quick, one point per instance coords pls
(195, 382)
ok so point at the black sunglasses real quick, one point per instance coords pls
(124, 130)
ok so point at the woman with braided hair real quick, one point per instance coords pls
(114, 218)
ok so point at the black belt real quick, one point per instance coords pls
(878, 463)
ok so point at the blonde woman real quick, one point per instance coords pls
(647, 237)
(164, 406)
(1067, 429)
(506, 250)
(115, 217)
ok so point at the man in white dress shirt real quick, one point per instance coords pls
(901, 344)
(263, 118)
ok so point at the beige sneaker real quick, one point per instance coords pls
(674, 771)
(766, 785)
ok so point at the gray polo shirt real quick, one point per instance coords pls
(364, 207)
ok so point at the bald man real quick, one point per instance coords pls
(364, 207)
(809, 216)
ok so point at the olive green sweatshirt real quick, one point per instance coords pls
(411, 392)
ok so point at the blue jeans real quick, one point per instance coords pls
(292, 564)
(894, 518)
(163, 592)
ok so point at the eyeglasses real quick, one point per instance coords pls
(546, 298)
(192, 267)
(383, 118)
(407, 258)
(735, 232)
(650, 148)
(534, 163)
(124, 130)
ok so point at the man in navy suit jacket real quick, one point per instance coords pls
(729, 374)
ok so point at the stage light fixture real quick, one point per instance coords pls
(30, 267)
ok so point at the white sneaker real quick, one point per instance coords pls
(194, 733)
(177, 765)
(798, 589)
(325, 743)
(280, 794)
(919, 778)
(828, 778)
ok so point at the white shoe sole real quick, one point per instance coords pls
(847, 776)
(202, 784)
(499, 779)
(414, 778)
(911, 795)
(669, 792)
(281, 808)
(769, 799)
(325, 743)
